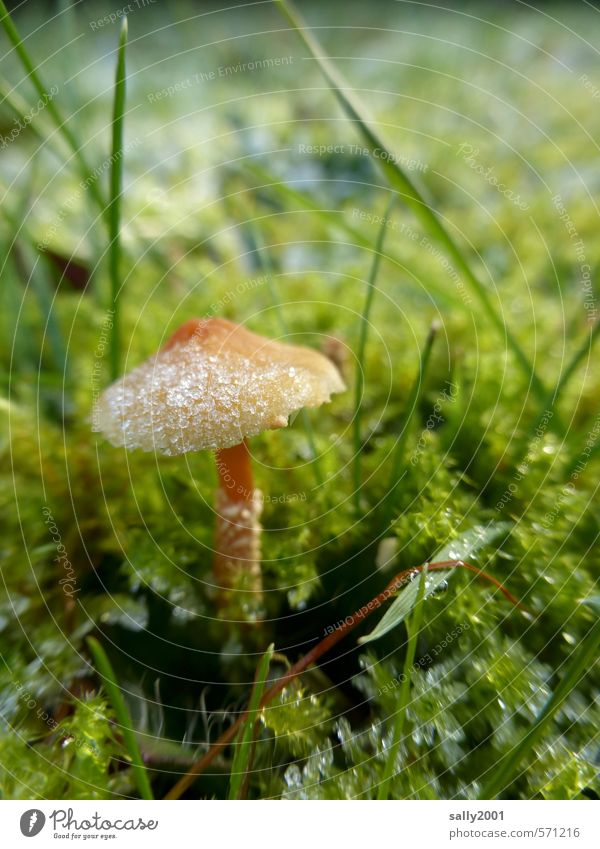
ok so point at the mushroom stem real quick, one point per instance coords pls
(237, 539)
(235, 472)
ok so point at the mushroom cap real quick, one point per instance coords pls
(213, 384)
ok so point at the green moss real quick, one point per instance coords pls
(95, 540)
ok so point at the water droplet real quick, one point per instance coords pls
(386, 552)
(528, 616)
(293, 776)
(440, 590)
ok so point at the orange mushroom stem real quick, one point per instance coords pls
(238, 507)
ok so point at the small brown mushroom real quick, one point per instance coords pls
(213, 385)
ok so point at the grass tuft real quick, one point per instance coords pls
(105, 670)
(244, 744)
(359, 382)
(412, 405)
(53, 110)
(410, 191)
(413, 627)
(114, 207)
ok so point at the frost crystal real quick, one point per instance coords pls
(212, 385)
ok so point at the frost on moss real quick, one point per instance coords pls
(99, 541)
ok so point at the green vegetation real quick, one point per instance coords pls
(230, 181)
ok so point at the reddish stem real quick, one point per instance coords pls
(234, 467)
(349, 624)
(237, 537)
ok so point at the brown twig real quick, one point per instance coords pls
(349, 624)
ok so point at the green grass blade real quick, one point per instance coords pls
(550, 403)
(114, 208)
(304, 201)
(412, 405)
(359, 382)
(52, 108)
(413, 628)
(243, 746)
(336, 221)
(35, 275)
(107, 674)
(464, 547)
(409, 189)
(19, 106)
(403, 605)
(266, 266)
(42, 288)
(581, 661)
(585, 349)
(23, 358)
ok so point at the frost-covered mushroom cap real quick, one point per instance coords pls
(213, 384)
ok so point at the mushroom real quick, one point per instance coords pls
(212, 386)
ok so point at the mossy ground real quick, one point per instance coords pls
(212, 170)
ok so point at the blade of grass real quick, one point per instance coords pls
(550, 402)
(264, 261)
(412, 405)
(20, 345)
(581, 661)
(52, 144)
(413, 627)
(42, 289)
(336, 220)
(34, 275)
(67, 15)
(107, 674)
(585, 349)
(19, 106)
(241, 760)
(412, 193)
(461, 549)
(52, 108)
(114, 208)
(359, 382)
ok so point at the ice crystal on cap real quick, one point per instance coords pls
(213, 384)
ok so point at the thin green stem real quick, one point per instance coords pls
(266, 265)
(53, 111)
(584, 350)
(335, 219)
(550, 402)
(104, 667)
(413, 628)
(20, 108)
(413, 195)
(35, 276)
(412, 405)
(114, 209)
(243, 751)
(359, 382)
